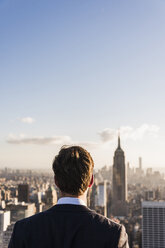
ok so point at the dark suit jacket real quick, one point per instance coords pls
(68, 226)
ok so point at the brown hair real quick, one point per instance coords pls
(73, 168)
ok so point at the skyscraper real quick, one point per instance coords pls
(140, 163)
(102, 194)
(102, 197)
(4, 220)
(50, 197)
(153, 225)
(119, 186)
(23, 192)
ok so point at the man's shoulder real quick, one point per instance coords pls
(111, 228)
(104, 221)
(34, 218)
(112, 231)
(24, 227)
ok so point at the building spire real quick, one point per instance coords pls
(119, 140)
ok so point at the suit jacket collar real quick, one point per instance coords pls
(70, 208)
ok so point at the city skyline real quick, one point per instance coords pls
(76, 73)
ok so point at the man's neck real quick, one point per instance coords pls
(81, 197)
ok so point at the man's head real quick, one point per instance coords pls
(73, 169)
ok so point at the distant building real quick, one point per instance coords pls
(2, 204)
(6, 235)
(102, 194)
(102, 198)
(21, 210)
(153, 224)
(119, 182)
(23, 193)
(149, 195)
(139, 170)
(93, 195)
(50, 197)
(140, 163)
(4, 220)
(149, 171)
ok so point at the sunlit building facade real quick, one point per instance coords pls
(153, 224)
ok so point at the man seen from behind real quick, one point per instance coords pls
(70, 223)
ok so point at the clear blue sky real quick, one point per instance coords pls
(76, 68)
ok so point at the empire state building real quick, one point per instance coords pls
(119, 176)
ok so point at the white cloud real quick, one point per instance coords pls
(28, 120)
(57, 140)
(22, 139)
(128, 132)
(107, 135)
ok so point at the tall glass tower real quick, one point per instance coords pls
(153, 224)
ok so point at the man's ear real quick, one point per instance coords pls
(91, 182)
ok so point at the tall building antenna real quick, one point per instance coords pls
(140, 163)
(119, 138)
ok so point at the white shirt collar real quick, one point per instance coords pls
(71, 200)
